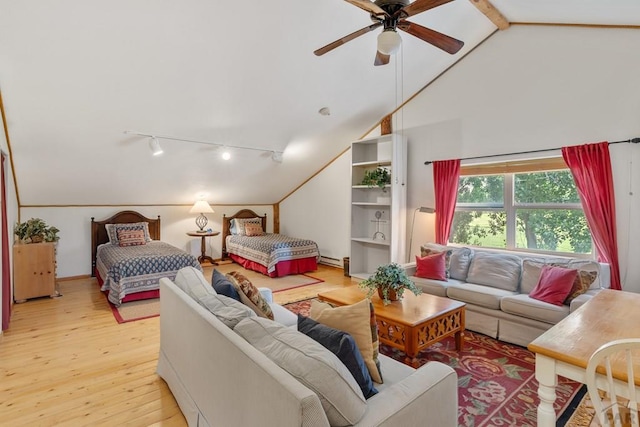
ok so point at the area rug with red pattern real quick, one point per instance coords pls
(496, 380)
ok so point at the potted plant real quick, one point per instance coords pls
(389, 281)
(378, 177)
(35, 230)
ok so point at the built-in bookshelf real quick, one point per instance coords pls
(377, 212)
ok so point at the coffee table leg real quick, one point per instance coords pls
(410, 347)
(459, 340)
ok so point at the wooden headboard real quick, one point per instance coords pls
(226, 223)
(99, 232)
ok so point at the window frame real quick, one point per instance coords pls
(508, 170)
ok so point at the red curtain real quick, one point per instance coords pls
(6, 268)
(445, 180)
(590, 166)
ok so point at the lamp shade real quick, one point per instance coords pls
(389, 41)
(201, 206)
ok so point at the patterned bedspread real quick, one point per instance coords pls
(269, 249)
(131, 269)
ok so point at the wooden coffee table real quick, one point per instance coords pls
(412, 324)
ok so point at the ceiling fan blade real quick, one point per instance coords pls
(419, 6)
(439, 40)
(381, 59)
(370, 7)
(345, 39)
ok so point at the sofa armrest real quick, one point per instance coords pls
(267, 294)
(410, 268)
(429, 396)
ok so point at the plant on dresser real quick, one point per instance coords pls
(36, 230)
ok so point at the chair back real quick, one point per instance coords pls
(611, 369)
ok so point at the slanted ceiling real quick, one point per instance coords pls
(76, 74)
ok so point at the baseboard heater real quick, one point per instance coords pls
(334, 262)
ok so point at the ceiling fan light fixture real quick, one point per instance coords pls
(389, 41)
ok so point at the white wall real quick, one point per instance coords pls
(526, 88)
(74, 247)
(320, 210)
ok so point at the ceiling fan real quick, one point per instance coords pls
(391, 15)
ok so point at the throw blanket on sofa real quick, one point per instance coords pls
(130, 269)
(269, 249)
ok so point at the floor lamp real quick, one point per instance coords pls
(413, 222)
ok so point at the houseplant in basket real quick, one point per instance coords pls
(389, 281)
(35, 230)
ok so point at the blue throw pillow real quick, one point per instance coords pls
(223, 286)
(342, 345)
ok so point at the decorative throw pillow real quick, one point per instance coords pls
(112, 230)
(131, 237)
(252, 229)
(342, 345)
(432, 266)
(223, 286)
(581, 284)
(554, 285)
(358, 320)
(311, 364)
(250, 295)
(425, 251)
(241, 223)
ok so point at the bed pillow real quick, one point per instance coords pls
(240, 224)
(112, 230)
(252, 229)
(311, 364)
(223, 286)
(358, 320)
(131, 237)
(250, 295)
(342, 345)
(432, 266)
(554, 285)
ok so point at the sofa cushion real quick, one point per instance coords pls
(342, 345)
(358, 320)
(223, 286)
(554, 285)
(311, 364)
(498, 270)
(250, 295)
(484, 296)
(191, 280)
(525, 306)
(227, 310)
(433, 266)
(434, 287)
(458, 262)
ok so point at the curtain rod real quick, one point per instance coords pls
(635, 140)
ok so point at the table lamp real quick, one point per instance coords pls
(201, 207)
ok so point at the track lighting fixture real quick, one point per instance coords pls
(154, 145)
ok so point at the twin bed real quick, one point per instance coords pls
(128, 258)
(274, 255)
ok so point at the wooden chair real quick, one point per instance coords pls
(618, 406)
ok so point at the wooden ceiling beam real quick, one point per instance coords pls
(492, 13)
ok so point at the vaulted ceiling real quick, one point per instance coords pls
(76, 74)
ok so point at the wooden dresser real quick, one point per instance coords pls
(34, 271)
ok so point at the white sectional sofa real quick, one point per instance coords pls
(219, 379)
(496, 286)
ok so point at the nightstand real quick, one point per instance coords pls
(203, 245)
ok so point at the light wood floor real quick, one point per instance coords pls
(65, 361)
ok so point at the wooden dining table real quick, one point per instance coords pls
(565, 349)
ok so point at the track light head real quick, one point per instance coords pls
(154, 145)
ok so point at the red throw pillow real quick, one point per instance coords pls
(432, 266)
(554, 285)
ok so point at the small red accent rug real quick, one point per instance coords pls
(496, 380)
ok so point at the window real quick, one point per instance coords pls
(527, 205)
